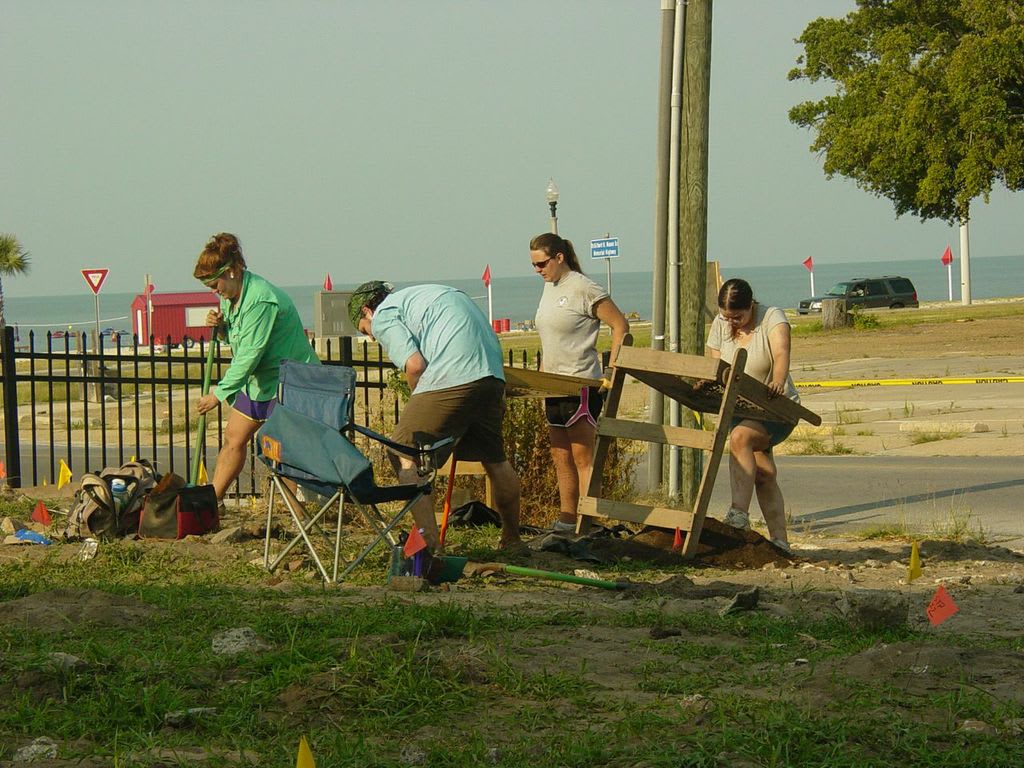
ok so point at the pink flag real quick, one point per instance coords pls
(947, 257)
(328, 285)
(486, 277)
(809, 263)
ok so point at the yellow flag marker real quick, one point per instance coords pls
(305, 758)
(132, 458)
(202, 479)
(64, 476)
(44, 482)
(914, 571)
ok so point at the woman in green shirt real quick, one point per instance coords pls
(263, 327)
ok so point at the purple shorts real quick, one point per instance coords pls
(256, 410)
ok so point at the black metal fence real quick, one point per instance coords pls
(100, 407)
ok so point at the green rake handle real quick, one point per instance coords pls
(568, 577)
(193, 475)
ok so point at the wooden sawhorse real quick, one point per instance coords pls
(723, 389)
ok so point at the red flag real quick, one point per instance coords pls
(487, 276)
(3, 471)
(150, 288)
(677, 540)
(947, 257)
(941, 607)
(328, 285)
(809, 263)
(41, 514)
(414, 543)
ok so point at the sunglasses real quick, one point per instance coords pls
(209, 281)
(541, 264)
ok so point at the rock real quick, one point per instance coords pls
(874, 608)
(744, 601)
(239, 640)
(11, 524)
(43, 747)
(976, 726)
(67, 662)
(408, 584)
(182, 717)
(228, 536)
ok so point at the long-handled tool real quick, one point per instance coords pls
(482, 569)
(193, 475)
(448, 501)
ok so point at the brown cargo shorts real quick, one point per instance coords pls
(471, 413)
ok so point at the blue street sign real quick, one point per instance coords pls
(605, 248)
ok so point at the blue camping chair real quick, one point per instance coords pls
(303, 441)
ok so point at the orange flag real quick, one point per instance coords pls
(3, 471)
(677, 541)
(41, 514)
(941, 607)
(414, 543)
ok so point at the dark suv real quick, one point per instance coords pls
(887, 291)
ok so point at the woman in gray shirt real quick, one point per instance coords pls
(764, 333)
(572, 308)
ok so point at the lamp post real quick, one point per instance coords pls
(552, 197)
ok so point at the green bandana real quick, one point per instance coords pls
(364, 295)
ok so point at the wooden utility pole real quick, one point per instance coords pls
(693, 210)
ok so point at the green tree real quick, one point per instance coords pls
(928, 108)
(13, 261)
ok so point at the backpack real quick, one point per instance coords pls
(94, 514)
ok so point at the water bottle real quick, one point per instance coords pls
(119, 491)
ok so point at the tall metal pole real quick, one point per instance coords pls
(655, 451)
(965, 265)
(672, 246)
(694, 210)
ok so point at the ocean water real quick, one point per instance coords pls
(516, 297)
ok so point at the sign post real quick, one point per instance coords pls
(94, 278)
(947, 259)
(606, 248)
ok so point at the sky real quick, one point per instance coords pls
(406, 140)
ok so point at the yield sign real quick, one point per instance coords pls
(95, 278)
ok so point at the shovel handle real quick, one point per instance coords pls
(193, 475)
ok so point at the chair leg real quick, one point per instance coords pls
(270, 513)
(383, 534)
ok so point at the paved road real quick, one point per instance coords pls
(843, 494)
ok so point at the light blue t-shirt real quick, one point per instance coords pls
(446, 327)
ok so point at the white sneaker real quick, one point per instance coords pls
(559, 527)
(737, 518)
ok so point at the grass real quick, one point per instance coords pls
(921, 436)
(377, 679)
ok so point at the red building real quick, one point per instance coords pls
(175, 316)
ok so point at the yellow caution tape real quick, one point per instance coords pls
(912, 382)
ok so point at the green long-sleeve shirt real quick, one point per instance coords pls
(263, 329)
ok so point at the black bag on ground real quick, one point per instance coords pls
(174, 510)
(474, 514)
(95, 512)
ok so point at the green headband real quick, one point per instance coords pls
(208, 280)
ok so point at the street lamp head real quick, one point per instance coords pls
(552, 191)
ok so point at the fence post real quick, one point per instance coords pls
(12, 444)
(346, 350)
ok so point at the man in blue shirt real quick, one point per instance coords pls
(453, 363)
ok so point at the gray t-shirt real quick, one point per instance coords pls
(759, 350)
(568, 327)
